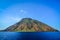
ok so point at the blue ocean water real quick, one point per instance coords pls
(29, 35)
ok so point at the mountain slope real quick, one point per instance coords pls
(30, 25)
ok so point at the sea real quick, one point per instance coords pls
(29, 35)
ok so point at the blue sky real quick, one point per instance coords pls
(12, 11)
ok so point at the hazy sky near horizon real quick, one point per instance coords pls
(12, 11)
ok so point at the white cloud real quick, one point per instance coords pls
(15, 18)
(23, 11)
(10, 19)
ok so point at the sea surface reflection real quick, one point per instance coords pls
(29, 35)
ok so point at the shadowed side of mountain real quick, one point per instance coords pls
(30, 25)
